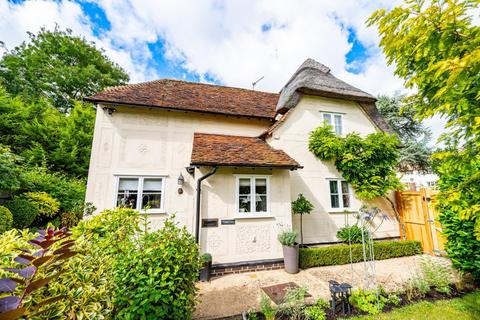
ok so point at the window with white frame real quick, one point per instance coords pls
(335, 120)
(140, 193)
(340, 196)
(252, 195)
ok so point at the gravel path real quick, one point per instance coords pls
(230, 295)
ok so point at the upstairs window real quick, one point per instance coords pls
(252, 195)
(340, 197)
(140, 193)
(335, 120)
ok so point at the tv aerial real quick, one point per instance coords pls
(254, 83)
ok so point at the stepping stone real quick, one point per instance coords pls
(277, 292)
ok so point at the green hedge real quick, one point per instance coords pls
(334, 255)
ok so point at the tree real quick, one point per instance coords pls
(44, 136)
(368, 163)
(58, 66)
(435, 47)
(415, 152)
(301, 206)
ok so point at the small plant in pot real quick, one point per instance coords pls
(206, 260)
(290, 250)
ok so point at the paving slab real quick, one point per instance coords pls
(232, 294)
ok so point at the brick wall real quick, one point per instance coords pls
(218, 271)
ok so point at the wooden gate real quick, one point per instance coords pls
(419, 217)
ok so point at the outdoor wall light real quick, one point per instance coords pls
(180, 182)
(110, 111)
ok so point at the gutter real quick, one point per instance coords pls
(197, 209)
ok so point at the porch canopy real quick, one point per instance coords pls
(238, 151)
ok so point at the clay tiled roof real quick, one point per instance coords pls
(191, 96)
(236, 151)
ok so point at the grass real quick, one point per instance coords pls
(464, 308)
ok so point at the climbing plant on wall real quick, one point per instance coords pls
(366, 163)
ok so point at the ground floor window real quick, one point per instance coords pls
(252, 195)
(140, 193)
(340, 197)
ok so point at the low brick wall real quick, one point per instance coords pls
(222, 270)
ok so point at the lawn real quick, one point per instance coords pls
(464, 308)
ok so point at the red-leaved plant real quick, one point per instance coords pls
(46, 259)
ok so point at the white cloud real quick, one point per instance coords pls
(222, 39)
(18, 19)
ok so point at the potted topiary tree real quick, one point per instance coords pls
(290, 250)
(206, 260)
(301, 206)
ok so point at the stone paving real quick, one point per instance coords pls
(232, 294)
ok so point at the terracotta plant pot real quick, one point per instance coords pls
(290, 258)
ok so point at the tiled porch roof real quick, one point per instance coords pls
(236, 151)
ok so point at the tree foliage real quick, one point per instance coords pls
(368, 164)
(435, 47)
(415, 152)
(59, 66)
(44, 136)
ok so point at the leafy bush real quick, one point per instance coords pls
(293, 304)
(372, 301)
(287, 237)
(301, 206)
(46, 205)
(436, 274)
(462, 246)
(317, 311)
(156, 278)
(352, 234)
(36, 269)
(24, 212)
(70, 219)
(415, 288)
(9, 170)
(6, 219)
(68, 191)
(268, 310)
(335, 255)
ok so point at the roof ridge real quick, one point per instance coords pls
(116, 88)
(225, 135)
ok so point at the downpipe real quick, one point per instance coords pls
(197, 209)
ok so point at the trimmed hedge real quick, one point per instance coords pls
(335, 255)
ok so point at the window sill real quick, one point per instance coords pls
(253, 216)
(153, 211)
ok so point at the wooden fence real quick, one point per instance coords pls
(419, 217)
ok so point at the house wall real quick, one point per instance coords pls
(136, 141)
(292, 137)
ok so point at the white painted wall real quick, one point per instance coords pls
(292, 137)
(136, 141)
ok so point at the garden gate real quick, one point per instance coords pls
(419, 216)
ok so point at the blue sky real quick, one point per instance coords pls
(101, 25)
(232, 42)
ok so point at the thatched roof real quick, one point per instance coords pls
(314, 78)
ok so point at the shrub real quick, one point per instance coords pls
(352, 234)
(268, 310)
(68, 191)
(334, 255)
(372, 301)
(6, 219)
(23, 211)
(287, 237)
(70, 219)
(36, 269)
(46, 205)
(436, 274)
(156, 278)
(462, 246)
(317, 311)
(293, 304)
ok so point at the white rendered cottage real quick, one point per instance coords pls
(240, 157)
